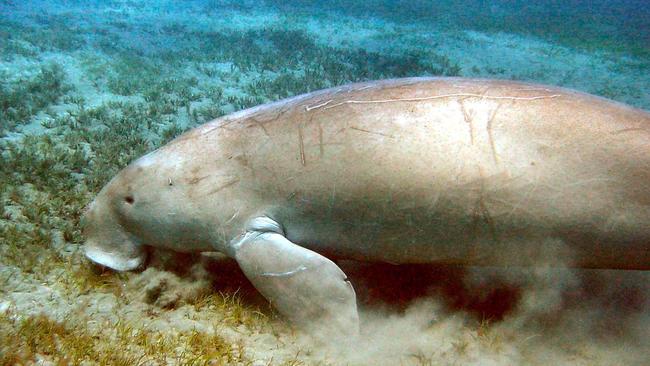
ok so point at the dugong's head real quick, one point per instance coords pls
(131, 212)
(107, 221)
(107, 241)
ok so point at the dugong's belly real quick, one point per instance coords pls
(468, 228)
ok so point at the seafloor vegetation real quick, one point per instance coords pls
(81, 96)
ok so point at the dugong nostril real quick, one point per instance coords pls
(129, 199)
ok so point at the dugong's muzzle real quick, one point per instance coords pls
(107, 243)
(113, 260)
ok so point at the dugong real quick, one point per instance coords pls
(417, 170)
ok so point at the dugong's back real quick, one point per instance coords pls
(445, 170)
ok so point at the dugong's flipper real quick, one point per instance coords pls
(301, 284)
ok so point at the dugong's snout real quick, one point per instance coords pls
(113, 260)
(107, 243)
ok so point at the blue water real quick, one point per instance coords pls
(624, 24)
(592, 25)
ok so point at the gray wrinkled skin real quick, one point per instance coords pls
(422, 170)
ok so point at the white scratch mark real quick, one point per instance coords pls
(300, 268)
(364, 88)
(535, 89)
(468, 95)
(233, 217)
(309, 108)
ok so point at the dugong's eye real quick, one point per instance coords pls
(128, 199)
